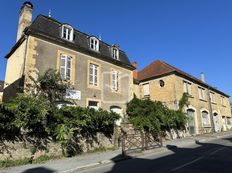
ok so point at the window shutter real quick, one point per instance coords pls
(115, 80)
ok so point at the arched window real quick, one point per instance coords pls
(94, 43)
(205, 119)
(67, 32)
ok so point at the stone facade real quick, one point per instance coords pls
(1, 90)
(43, 55)
(38, 50)
(173, 90)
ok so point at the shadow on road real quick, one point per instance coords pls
(212, 157)
(39, 170)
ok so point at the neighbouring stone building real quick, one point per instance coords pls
(101, 74)
(209, 107)
(1, 90)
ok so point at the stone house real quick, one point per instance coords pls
(209, 107)
(101, 74)
(1, 90)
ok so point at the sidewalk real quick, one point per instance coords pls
(68, 165)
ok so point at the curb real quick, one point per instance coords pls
(92, 165)
(157, 150)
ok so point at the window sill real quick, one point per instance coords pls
(213, 103)
(94, 87)
(115, 92)
(206, 126)
(203, 100)
(146, 96)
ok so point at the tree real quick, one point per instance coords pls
(49, 86)
(153, 116)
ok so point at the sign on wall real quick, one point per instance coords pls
(73, 94)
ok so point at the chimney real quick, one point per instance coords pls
(135, 72)
(116, 45)
(202, 77)
(25, 18)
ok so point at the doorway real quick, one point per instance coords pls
(191, 121)
(215, 122)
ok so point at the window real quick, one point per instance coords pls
(211, 96)
(93, 74)
(65, 67)
(161, 82)
(146, 90)
(94, 44)
(115, 53)
(67, 32)
(205, 119)
(187, 87)
(115, 80)
(222, 101)
(201, 92)
(93, 104)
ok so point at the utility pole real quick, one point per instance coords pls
(211, 111)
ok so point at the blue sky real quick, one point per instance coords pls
(192, 35)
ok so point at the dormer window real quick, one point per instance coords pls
(115, 53)
(94, 43)
(67, 32)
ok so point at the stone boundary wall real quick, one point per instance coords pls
(17, 150)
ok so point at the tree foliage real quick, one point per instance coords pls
(35, 117)
(153, 116)
(49, 86)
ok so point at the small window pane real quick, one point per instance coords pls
(68, 63)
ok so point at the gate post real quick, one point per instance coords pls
(160, 139)
(142, 140)
(123, 145)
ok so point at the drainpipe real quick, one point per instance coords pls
(211, 111)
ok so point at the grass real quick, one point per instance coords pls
(41, 159)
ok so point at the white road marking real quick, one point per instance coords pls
(186, 164)
(214, 152)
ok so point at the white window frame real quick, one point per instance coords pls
(94, 68)
(67, 32)
(65, 67)
(187, 87)
(212, 96)
(146, 91)
(205, 122)
(115, 81)
(94, 44)
(222, 100)
(201, 92)
(94, 107)
(115, 53)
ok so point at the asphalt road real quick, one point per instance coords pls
(208, 157)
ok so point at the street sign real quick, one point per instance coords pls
(73, 94)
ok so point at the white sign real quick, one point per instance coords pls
(73, 94)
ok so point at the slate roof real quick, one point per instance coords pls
(49, 28)
(160, 68)
(1, 85)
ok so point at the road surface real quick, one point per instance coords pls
(208, 157)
